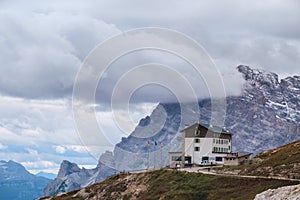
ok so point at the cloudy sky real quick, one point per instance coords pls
(44, 43)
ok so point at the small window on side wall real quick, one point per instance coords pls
(197, 149)
(219, 159)
(197, 140)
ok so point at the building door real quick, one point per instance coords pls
(188, 160)
(205, 159)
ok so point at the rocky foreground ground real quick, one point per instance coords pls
(287, 193)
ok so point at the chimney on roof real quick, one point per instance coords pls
(186, 125)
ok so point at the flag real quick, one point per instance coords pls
(149, 144)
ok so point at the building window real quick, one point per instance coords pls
(197, 132)
(197, 140)
(220, 141)
(197, 149)
(176, 158)
(220, 150)
(205, 158)
(219, 159)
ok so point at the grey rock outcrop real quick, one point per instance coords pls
(287, 193)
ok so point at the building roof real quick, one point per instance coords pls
(174, 152)
(212, 128)
(237, 155)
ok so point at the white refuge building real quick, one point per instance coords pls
(202, 145)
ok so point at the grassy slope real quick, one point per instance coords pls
(180, 185)
(166, 184)
(283, 161)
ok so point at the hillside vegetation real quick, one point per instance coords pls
(168, 184)
(283, 161)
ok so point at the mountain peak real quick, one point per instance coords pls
(145, 121)
(67, 168)
(259, 76)
(14, 177)
(13, 170)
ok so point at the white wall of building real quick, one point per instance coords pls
(206, 147)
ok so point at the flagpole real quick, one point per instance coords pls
(148, 158)
(154, 159)
(148, 144)
(161, 164)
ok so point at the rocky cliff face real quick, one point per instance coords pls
(18, 184)
(71, 177)
(265, 116)
(67, 168)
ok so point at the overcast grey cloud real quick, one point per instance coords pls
(43, 44)
(43, 51)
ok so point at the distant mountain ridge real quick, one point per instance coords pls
(265, 116)
(16, 183)
(47, 175)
